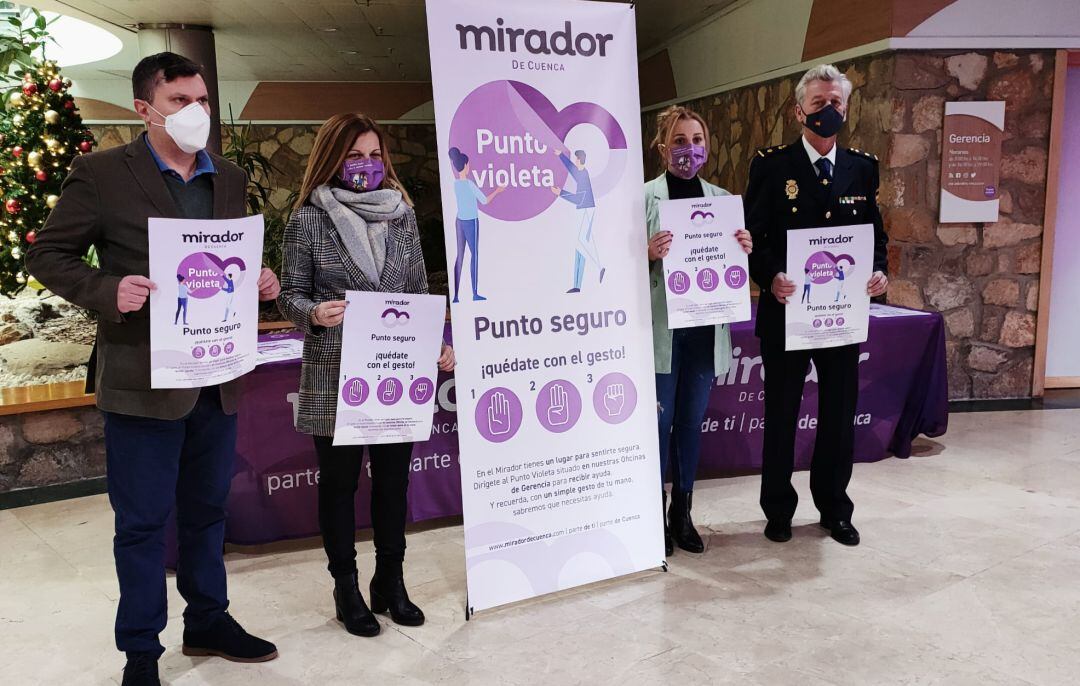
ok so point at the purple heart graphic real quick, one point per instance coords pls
(509, 131)
(204, 272)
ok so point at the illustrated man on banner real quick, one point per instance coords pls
(583, 200)
(810, 183)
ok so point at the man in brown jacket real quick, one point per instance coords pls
(165, 449)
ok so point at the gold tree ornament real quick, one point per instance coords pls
(16, 99)
(17, 120)
(34, 159)
(51, 201)
(52, 117)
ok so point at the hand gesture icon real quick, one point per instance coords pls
(707, 279)
(614, 399)
(498, 415)
(421, 391)
(558, 413)
(356, 391)
(389, 390)
(677, 283)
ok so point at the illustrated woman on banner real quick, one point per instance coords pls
(352, 228)
(469, 197)
(583, 200)
(687, 360)
(808, 281)
(182, 292)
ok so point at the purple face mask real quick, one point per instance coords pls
(364, 174)
(686, 160)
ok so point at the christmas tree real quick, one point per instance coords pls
(41, 132)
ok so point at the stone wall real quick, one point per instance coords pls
(982, 277)
(45, 448)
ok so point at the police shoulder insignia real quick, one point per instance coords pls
(863, 153)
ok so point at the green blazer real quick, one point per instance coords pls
(656, 191)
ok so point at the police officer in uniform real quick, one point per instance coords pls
(806, 184)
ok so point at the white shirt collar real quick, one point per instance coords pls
(815, 155)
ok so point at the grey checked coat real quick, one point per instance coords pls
(317, 268)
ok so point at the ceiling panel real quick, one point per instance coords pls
(329, 40)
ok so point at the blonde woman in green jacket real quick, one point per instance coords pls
(689, 359)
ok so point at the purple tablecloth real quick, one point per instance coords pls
(902, 393)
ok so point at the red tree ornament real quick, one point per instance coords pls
(29, 88)
(41, 175)
(55, 85)
(86, 146)
(13, 206)
(31, 237)
(69, 104)
(17, 151)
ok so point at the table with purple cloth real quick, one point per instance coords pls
(902, 394)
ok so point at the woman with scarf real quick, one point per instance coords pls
(687, 360)
(352, 228)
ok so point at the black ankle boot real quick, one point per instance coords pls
(682, 527)
(388, 593)
(352, 611)
(669, 547)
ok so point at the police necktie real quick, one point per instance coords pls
(824, 167)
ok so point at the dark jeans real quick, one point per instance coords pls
(682, 397)
(181, 304)
(152, 466)
(834, 445)
(339, 476)
(468, 234)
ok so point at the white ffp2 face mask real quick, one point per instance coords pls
(189, 128)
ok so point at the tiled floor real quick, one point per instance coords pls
(967, 575)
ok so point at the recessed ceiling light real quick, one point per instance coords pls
(328, 29)
(350, 52)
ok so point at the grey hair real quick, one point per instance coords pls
(822, 72)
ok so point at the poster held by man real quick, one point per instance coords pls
(204, 309)
(833, 308)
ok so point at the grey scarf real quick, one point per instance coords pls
(361, 220)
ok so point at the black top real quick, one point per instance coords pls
(680, 189)
(194, 199)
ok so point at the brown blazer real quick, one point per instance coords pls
(105, 202)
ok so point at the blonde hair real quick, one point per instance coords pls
(666, 122)
(332, 145)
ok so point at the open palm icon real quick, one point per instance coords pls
(678, 282)
(356, 391)
(498, 414)
(707, 279)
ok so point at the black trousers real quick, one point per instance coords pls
(834, 446)
(339, 476)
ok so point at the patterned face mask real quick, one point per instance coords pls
(686, 160)
(364, 174)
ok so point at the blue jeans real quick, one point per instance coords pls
(152, 466)
(682, 397)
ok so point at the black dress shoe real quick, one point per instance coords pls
(778, 531)
(682, 526)
(842, 531)
(388, 594)
(226, 638)
(669, 545)
(351, 609)
(141, 670)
